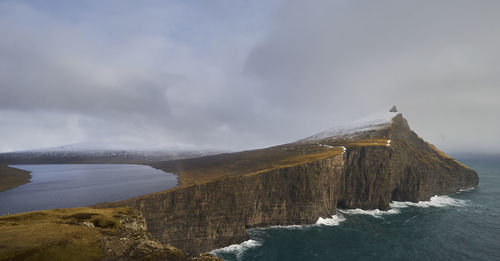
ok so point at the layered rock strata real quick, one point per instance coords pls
(380, 165)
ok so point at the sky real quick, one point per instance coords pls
(237, 75)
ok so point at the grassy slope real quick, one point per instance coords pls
(57, 234)
(210, 168)
(12, 177)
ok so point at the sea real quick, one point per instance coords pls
(76, 185)
(462, 226)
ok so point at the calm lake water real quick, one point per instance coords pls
(463, 226)
(74, 185)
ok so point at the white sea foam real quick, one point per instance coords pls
(375, 212)
(237, 249)
(284, 227)
(436, 201)
(467, 189)
(335, 220)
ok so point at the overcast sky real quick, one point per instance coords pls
(245, 74)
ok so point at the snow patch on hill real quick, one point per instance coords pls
(373, 122)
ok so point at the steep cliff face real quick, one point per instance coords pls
(405, 169)
(212, 215)
(379, 165)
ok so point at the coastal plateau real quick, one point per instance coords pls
(364, 165)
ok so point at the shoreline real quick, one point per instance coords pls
(13, 177)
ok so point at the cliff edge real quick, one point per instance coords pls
(365, 164)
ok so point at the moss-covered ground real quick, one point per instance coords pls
(57, 234)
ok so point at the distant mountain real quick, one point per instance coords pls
(95, 152)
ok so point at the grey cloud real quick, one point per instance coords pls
(339, 59)
(246, 74)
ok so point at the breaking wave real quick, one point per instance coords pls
(375, 212)
(237, 249)
(335, 220)
(436, 201)
(466, 189)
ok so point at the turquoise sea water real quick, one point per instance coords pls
(463, 226)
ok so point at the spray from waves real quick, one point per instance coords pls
(436, 201)
(335, 220)
(374, 213)
(237, 249)
(467, 189)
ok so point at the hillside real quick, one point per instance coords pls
(370, 131)
(82, 234)
(12, 177)
(93, 155)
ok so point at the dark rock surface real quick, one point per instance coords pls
(202, 217)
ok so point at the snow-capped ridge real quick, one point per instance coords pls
(376, 121)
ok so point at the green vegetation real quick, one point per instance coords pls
(12, 177)
(58, 234)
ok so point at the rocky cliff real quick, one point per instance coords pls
(364, 169)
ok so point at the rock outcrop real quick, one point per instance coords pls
(380, 164)
(83, 234)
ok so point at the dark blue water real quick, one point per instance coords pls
(74, 185)
(464, 226)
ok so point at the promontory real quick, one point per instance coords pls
(365, 164)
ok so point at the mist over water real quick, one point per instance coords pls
(463, 226)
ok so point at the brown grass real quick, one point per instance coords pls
(445, 156)
(56, 234)
(206, 169)
(367, 142)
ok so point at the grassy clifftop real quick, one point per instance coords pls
(60, 234)
(81, 234)
(210, 168)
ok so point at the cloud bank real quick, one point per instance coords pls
(239, 75)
